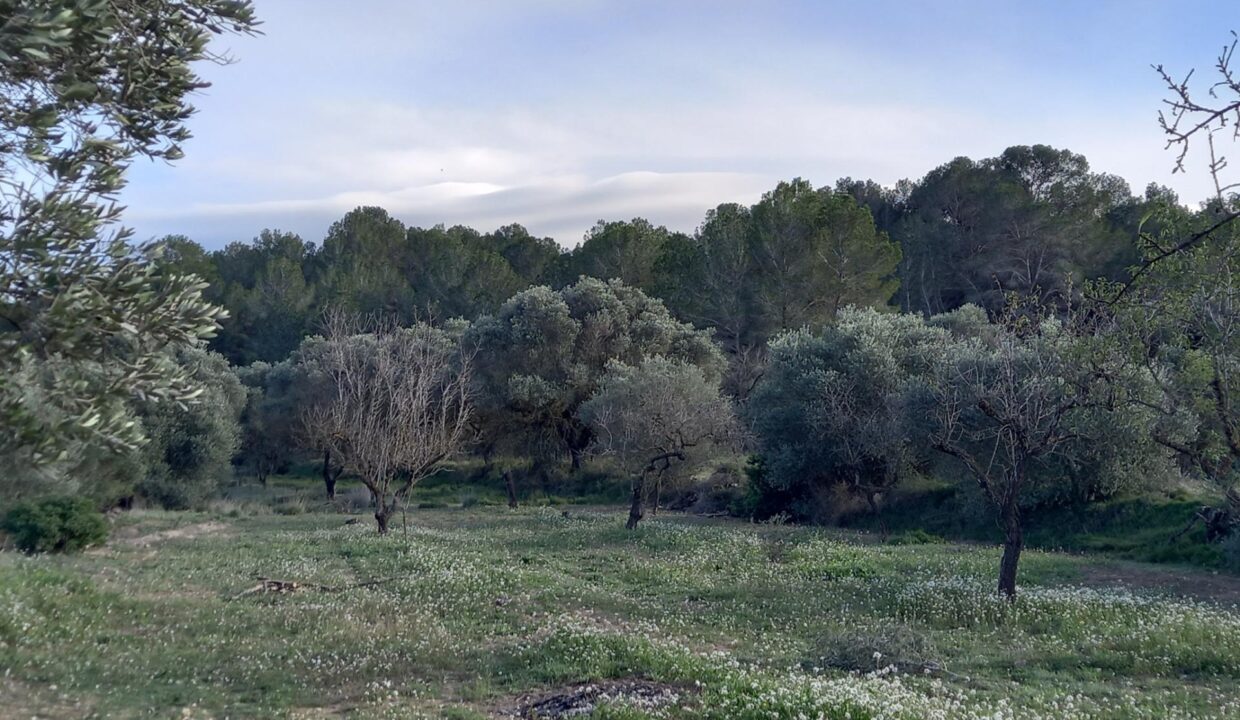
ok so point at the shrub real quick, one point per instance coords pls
(1231, 551)
(868, 649)
(915, 537)
(58, 524)
(760, 499)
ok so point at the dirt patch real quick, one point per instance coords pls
(26, 701)
(182, 533)
(1195, 584)
(581, 700)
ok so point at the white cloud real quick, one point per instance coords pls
(663, 125)
(562, 207)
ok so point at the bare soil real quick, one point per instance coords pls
(182, 533)
(1195, 584)
(580, 700)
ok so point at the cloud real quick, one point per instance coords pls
(562, 207)
(555, 171)
(566, 112)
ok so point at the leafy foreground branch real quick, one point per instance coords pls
(89, 86)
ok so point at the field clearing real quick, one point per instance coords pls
(486, 612)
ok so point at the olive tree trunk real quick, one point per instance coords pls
(638, 507)
(1013, 543)
(329, 477)
(511, 487)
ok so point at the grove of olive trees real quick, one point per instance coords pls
(1022, 329)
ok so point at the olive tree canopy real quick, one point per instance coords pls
(658, 419)
(545, 352)
(87, 86)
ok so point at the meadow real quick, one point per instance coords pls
(487, 612)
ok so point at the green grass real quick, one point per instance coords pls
(463, 484)
(1132, 528)
(485, 605)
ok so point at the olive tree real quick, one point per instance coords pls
(191, 445)
(88, 86)
(1019, 404)
(1183, 323)
(659, 418)
(545, 351)
(187, 451)
(399, 406)
(830, 410)
(270, 419)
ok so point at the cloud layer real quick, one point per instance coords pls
(566, 113)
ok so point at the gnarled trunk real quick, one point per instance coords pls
(1013, 543)
(329, 478)
(637, 508)
(511, 487)
(577, 438)
(871, 498)
(382, 516)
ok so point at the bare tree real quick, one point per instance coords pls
(657, 419)
(400, 408)
(1188, 118)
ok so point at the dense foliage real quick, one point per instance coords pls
(545, 352)
(191, 445)
(55, 524)
(831, 410)
(88, 86)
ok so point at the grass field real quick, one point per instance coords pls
(487, 612)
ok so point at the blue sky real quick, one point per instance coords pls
(556, 113)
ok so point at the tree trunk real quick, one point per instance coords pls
(329, 479)
(637, 509)
(1013, 543)
(577, 439)
(488, 461)
(511, 487)
(382, 515)
(873, 502)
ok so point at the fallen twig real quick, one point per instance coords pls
(269, 585)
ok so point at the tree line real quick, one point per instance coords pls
(1035, 221)
(1020, 326)
(775, 331)
(1037, 399)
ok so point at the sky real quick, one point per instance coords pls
(559, 113)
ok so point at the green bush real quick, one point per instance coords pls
(1231, 551)
(759, 499)
(58, 524)
(865, 649)
(916, 536)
